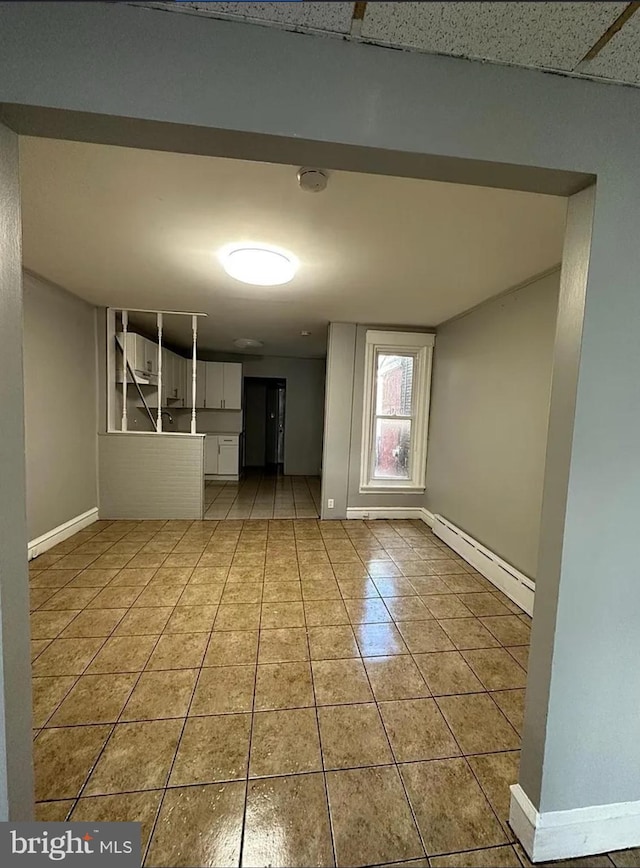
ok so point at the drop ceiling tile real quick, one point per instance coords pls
(547, 35)
(332, 17)
(620, 58)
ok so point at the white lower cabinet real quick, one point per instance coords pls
(222, 455)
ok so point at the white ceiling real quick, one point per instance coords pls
(134, 228)
(550, 36)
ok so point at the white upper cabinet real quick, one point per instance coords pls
(232, 389)
(142, 356)
(222, 385)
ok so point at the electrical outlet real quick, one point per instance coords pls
(331, 503)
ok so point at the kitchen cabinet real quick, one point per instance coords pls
(222, 385)
(174, 371)
(142, 355)
(222, 455)
(200, 384)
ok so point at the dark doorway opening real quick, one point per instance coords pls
(264, 421)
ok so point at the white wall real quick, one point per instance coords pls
(60, 405)
(489, 417)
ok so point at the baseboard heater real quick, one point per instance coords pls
(506, 578)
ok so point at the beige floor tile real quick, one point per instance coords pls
(371, 818)
(369, 610)
(122, 808)
(478, 724)
(376, 640)
(287, 823)
(281, 615)
(144, 622)
(463, 584)
(39, 596)
(117, 597)
(95, 699)
(483, 603)
(395, 678)
(446, 606)
(407, 609)
(53, 812)
(496, 668)
(64, 757)
(286, 572)
(511, 703)
(319, 613)
(397, 586)
(147, 559)
(199, 826)
(191, 619)
(430, 585)
(201, 595)
(382, 568)
(242, 592)
(94, 623)
(47, 694)
(138, 756)
(358, 589)
(223, 690)
(626, 858)
(93, 578)
(232, 648)
(158, 595)
(209, 575)
(212, 748)
(162, 694)
(285, 742)
(352, 736)
(450, 808)
(337, 682)
(238, 616)
(123, 654)
(508, 629)
(71, 598)
(51, 578)
(495, 773)
(320, 590)
(246, 574)
(350, 571)
(281, 592)
(179, 651)
(66, 656)
(49, 625)
(182, 559)
(520, 653)
(447, 672)
(283, 685)
(423, 636)
(283, 646)
(328, 643)
(494, 857)
(136, 577)
(417, 730)
(468, 633)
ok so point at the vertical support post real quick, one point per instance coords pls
(125, 325)
(159, 416)
(194, 375)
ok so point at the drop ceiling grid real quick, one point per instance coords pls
(551, 35)
(619, 60)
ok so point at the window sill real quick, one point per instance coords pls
(395, 488)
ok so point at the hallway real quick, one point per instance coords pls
(263, 495)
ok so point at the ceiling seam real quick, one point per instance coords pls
(611, 31)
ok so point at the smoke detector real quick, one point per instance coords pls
(248, 343)
(312, 180)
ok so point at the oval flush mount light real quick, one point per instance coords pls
(261, 266)
(248, 343)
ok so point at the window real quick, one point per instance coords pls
(396, 410)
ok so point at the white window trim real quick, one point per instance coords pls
(421, 345)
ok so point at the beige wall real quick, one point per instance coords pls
(60, 405)
(489, 415)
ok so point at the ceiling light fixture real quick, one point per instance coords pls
(248, 343)
(259, 265)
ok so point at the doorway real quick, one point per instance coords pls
(264, 424)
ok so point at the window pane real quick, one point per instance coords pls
(394, 385)
(391, 448)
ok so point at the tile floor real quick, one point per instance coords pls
(280, 693)
(263, 496)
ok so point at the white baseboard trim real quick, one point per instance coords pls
(370, 513)
(508, 579)
(573, 833)
(62, 532)
(216, 477)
